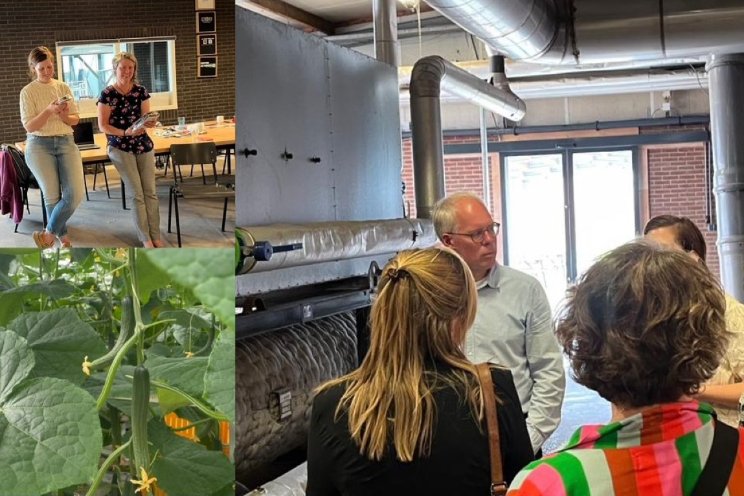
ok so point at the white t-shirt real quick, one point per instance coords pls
(36, 96)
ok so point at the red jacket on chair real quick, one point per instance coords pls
(11, 197)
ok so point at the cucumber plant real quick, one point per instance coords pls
(98, 349)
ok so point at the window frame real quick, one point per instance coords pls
(166, 100)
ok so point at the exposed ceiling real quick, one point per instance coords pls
(349, 23)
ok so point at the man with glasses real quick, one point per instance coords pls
(513, 326)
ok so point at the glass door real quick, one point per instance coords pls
(563, 210)
(534, 221)
(604, 203)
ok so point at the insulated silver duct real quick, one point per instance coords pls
(597, 31)
(726, 72)
(386, 31)
(276, 373)
(304, 244)
(429, 76)
(519, 29)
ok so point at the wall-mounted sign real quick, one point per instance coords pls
(205, 5)
(206, 22)
(207, 67)
(206, 44)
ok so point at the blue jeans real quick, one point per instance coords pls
(57, 166)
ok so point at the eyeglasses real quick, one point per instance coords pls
(479, 235)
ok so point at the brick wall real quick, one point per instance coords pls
(461, 172)
(676, 184)
(24, 25)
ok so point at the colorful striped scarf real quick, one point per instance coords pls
(657, 452)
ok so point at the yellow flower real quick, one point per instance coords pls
(86, 365)
(145, 483)
(188, 354)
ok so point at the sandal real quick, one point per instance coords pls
(65, 242)
(39, 240)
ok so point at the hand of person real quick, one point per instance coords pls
(132, 132)
(54, 108)
(151, 123)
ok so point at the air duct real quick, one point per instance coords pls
(386, 31)
(727, 127)
(431, 75)
(596, 31)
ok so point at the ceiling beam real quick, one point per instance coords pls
(284, 12)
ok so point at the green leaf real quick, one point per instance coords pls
(184, 373)
(170, 400)
(60, 341)
(11, 300)
(50, 437)
(206, 272)
(219, 381)
(184, 468)
(149, 276)
(186, 318)
(17, 361)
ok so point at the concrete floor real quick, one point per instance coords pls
(101, 222)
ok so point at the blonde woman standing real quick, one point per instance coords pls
(131, 150)
(409, 420)
(48, 113)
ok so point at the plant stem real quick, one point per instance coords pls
(104, 468)
(136, 303)
(109, 383)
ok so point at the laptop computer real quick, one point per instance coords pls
(83, 135)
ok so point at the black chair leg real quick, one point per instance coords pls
(123, 196)
(170, 207)
(224, 215)
(204, 178)
(214, 170)
(43, 210)
(87, 198)
(16, 228)
(105, 179)
(178, 222)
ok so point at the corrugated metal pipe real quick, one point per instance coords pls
(429, 77)
(304, 244)
(727, 128)
(596, 31)
(386, 31)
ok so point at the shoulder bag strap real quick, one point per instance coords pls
(717, 470)
(498, 486)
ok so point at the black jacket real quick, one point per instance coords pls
(459, 463)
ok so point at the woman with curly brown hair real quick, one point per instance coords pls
(644, 327)
(409, 420)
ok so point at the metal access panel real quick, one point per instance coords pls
(323, 123)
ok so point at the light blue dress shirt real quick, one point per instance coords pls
(514, 328)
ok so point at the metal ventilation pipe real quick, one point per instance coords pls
(386, 31)
(519, 29)
(597, 31)
(429, 76)
(727, 126)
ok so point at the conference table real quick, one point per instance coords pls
(222, 135)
